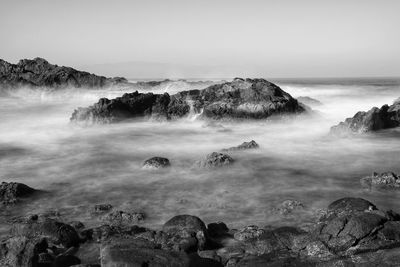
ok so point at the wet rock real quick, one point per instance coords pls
(375, 119)
(274, 259)
(45, 259)
(187, 232)
(10, 193)
(289, 206)
(248, 232)
(78, 225)
(156, 163)
(55, 232)
(128, 253)
(20, 251)
(121, 217)
(245, 145)
(210, 254)
(215, 159)
(383, 180)
(217, 229)
(239, 99)
(100, 208)
(346, 206)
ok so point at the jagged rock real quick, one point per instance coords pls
(156, 163)
(40, 73)
(10, 193)
(383, 180)
(139, 253)
(55, 232)
(20, 251)
(239, 99)
(187, 232)
(121, 217)
(249, 232)
(289, 206)
(245, 145)
(214, 160)
(373, 120)
(309, 101)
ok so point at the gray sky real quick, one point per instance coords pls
(207, 38)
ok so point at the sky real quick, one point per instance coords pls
(207, 38)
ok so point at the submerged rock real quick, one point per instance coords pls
(156, 163)
(382, 180)
(121, 217)
(10, 193)
(214, 160)
(245, 145)
(99, 208)
(289, 206)
(375, 119)
(239, 99)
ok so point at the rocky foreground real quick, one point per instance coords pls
(239, 99)
(350, 232)
(373, 120)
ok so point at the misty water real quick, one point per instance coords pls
(77, 167)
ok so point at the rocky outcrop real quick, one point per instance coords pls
(373, 120)
(245, 145)
(156, 163)
(10, 193)
(239, 99)
(385, 180)
(215, 160)
(40, 73)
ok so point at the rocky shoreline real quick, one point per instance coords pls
(350, 232)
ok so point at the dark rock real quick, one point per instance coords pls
(102, 207)
(121, 217)
(66, 261)
(346, 206)
(214, 160)
(45, 259)
(312, 102)
(217, 229)
(383, 180)
(245, 145)
(373, 120)
(10, 193)
(21, 251)
(131, 253)
(239, 99)
(56, 232)
(187, 232)
(209, 254)
(156, 163)
(40, 73)
(78, 225)
(274, 259)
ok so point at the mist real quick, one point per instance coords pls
(78, 167)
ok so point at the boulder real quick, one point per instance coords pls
(245, 145)
(239, 99)
(214, 160)
(20, 251)
(38, 72)
(373, 120)
(10, 193)
(186, 232)
(56, 232)
(249, 232)
(156, 163)
(382, 180)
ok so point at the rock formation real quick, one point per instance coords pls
(239, 99)
(373, 120)
(40, 73)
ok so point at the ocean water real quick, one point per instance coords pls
(77, 167)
